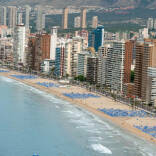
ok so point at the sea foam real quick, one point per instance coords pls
(101, 149)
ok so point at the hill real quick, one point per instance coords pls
(103, 3)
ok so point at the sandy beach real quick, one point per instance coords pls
(92, 104)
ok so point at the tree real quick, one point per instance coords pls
(132, 76)
(80, 78)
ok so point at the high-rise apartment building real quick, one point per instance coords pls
(37, 53)
(39, 50)
(45, 45)
(150, 23)
(76, 49)
(53, 43)
(77, 22)
(82, 63)
(96, 38)
(129, 46)
(143, 33)
(59, 58)
(92, 69)
(115, 66)
(19, 44)
(84, 35)
(83, 18)
(12, 16)
(19, 18)
(30, 56)
(154, 23)
(151, 83)
(65, 18)
(102, 63)
(43, 20)
(3, 15)
(145, 69)
(149, 60)
(138, 68)
(94, 21)
(40, 19)
(72, 49)
(67, 58)
(27, 16)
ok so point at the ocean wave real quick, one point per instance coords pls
(101, 149)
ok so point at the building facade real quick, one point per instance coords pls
(115, 66)
(102, 63)
(96, 38)
(138, 69)
(65, 18)
(129, 46)
(92, 69)
(83, 18)
(95, 22)
(40, 19)
(12, 16)
(77, 22)
(53, 43)
(3, 15)
(82, 63)
(20, 44)
(27, 16)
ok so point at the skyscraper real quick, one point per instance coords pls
(143, 33)
(53, 43)
(77, 22)
(3, 14)
(65, 18)
(115, 66)
(20, 18)
(102, 63)
(12, 16)
(84, 35)
(138, 68)
(92, 69)
(94, 21)
(45, 46)
(83, 18)
(27, 14)
(96, 38)
(40, 19)
(59, 58)
(72, 49)
(154, 23)
(67, 58)
(150, 23)
(43, 21)
(129, 45)
(19, 44)
(82, 63)
(145, 70)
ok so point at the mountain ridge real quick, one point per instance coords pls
(102, 3)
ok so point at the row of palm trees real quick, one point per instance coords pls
(134, 103)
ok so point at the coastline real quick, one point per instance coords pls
(91, 105)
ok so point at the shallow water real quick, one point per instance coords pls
(32, 121)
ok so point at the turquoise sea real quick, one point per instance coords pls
(32, 121)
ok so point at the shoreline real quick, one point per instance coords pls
(91, 105)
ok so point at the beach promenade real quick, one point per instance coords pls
(135, 121)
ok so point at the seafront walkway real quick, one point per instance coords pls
(134, 119)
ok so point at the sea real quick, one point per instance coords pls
(34, 122)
